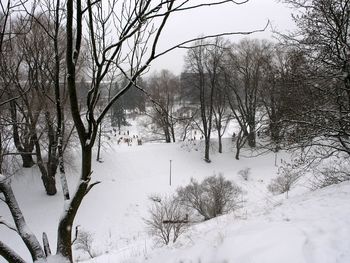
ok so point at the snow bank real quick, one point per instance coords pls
(56, 259)
(312, 228)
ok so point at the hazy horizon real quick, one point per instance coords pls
(251, 16)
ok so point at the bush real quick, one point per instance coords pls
(84, 241)
(214, 196)
(168, 219)
(330, 174)
(288, 176)
(244, 173)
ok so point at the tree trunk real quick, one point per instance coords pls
(238, 149)
(99, 144)
(240, 141)
(59, 112)
(220, 143)
(64, 246)
(275, 135)
(47, 176)
(49, 184)
(218, 127)
(166, 133)
(27, 159)
(173, 132)
(63, 177)
(251, 139)
(207, 150)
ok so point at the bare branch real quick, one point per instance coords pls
(183, 44)
(91, 186)
(14, 98)
(7, 224)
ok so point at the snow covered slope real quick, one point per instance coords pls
(312, 227)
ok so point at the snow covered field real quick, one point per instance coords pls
(308, 227)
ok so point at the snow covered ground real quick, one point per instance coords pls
(312, 228)
(308, 227)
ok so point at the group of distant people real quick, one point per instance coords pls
(126, 138)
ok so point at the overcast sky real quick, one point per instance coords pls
(226, 18)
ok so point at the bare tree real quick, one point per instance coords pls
(168, 220)
(203, 64)
(215, 67)
(288, 175)
(212, 197)
(8, 10)
(276, 72)
(84, 242)
(118, 116)
(164, 91)
(244, 78)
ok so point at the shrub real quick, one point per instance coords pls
(288, 176)
(168, 219)
(84, 241)
(214, 196)
(244, 173)
(330, 174)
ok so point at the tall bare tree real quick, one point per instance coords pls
(164, 91)
(215, 67)
(244, 78)
(273, 96)
(203, 66)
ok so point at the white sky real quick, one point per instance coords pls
(226, 18)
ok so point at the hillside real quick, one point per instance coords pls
(307, 227)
